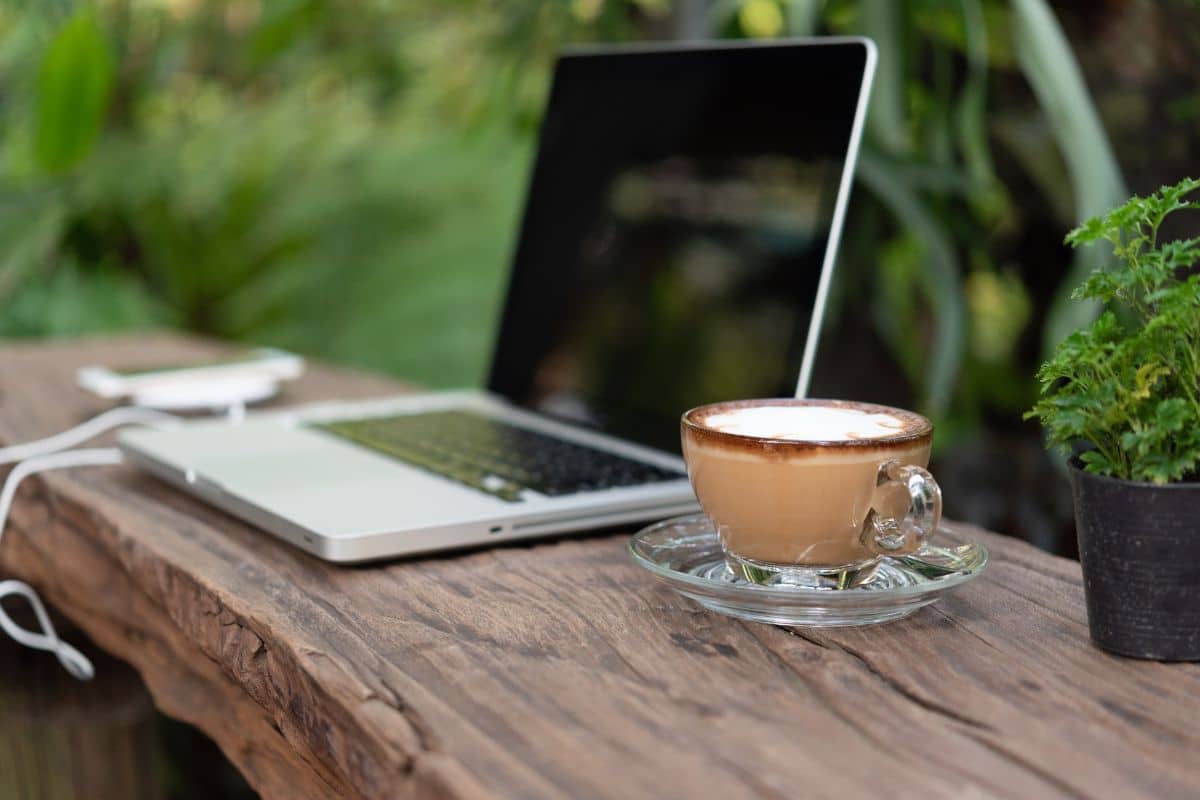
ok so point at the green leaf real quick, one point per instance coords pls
(887, 119)
(802, 16)
(73, 91)
(970, 115)
(1171, 414)
(941, 279)
(1146, 377)
(1046, 59)
(1181, 253)
(1097, 463)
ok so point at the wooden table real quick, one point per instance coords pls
(560, 669)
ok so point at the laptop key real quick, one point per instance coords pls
(495, 457)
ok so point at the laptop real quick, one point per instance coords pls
(679, 233)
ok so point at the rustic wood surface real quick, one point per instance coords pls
(560, 669)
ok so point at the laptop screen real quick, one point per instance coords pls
(675, 230)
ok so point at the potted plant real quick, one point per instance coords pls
(1126, 389)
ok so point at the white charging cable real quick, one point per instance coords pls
(72, 437)
(47, 639)
(48, 454)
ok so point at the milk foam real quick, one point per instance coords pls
(805, 423)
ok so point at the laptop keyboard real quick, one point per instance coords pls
(495, 457)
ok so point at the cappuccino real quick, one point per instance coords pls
(805, 423)
(795, 482)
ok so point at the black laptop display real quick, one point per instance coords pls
(676, 226)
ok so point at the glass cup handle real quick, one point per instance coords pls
(898, 537)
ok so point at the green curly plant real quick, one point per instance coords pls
(1128, 385)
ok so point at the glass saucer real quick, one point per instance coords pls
(685, 554)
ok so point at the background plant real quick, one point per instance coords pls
(343, 177)
(1129, 384)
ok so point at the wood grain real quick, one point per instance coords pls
(559, 669)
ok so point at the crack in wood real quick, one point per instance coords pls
(426, 739)
(1023, 763)
(974, 729)
(881, 743)
(849, 720)
(907, 693)
(799, 634)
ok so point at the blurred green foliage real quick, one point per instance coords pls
(344, 177)
(928, 160)
(339, 178)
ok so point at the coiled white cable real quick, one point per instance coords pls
(41, 456)
(47, 639)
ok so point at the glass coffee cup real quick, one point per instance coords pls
(812, 493)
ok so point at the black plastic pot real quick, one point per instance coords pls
(1139, 544)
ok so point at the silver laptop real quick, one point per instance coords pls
(678, 238)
